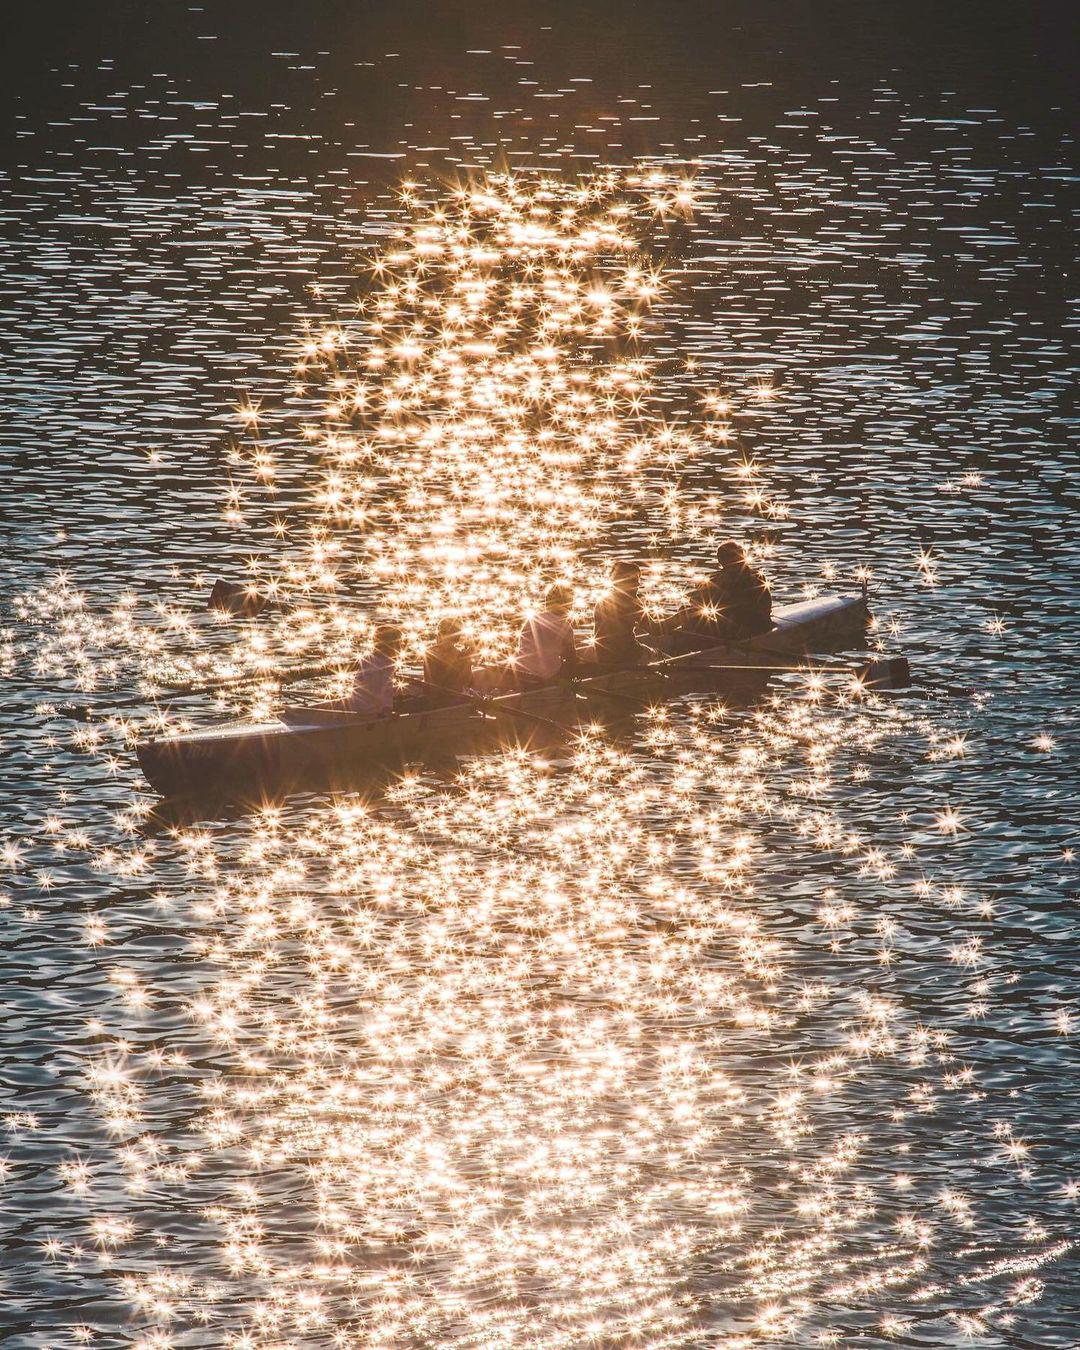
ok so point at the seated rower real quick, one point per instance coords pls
(616, 617)
(372, 692)
(546, 645)
(448, 669)
(733, 603)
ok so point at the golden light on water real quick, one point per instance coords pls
(533, 1052)
(491, 1032)
(485, 420)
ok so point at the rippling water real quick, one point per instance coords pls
(725, 1026)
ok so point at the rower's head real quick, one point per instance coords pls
(388, 639)
(449, 630)
(626, 575)
(558, 599)
(730, 554)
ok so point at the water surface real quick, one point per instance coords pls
(747, 1026)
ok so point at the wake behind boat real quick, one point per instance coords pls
(321, 744)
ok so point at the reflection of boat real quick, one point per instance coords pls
(325, 744)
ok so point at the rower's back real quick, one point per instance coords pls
(448, 669)
(733, 603)
(744, 598)
(546, 642)
(615, 620)
(372, 692)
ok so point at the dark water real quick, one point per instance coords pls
(761, 1027)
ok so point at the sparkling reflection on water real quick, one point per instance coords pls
(733, 1027)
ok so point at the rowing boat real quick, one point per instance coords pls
(322, 744)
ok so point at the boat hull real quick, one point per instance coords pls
(311, 746)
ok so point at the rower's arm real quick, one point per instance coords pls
(671, 624)
(570, 651)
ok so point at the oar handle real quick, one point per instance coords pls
(482, 703)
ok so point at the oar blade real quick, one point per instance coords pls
(889, 672)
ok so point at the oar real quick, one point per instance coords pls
(621, 696)
(80, 713)
(234, 681)
(893, 672)
(484, 705)
(661, 668)
(889, 672)
(809, 670)
(284, 677)
(321, 668)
